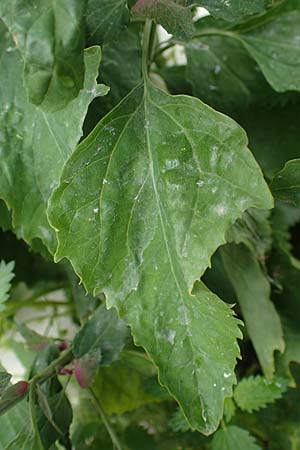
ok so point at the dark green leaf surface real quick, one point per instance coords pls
(34, 144)
(253, 292)
(124, 56)
(254, 393)
(50, 37)
(105, 19)
(61, 419)
(233, 437)
(286, 184)
(150, 181)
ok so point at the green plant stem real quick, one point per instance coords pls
(105, 420)
(34, 304)
(32, 393)
(148, 40)
(65, 358)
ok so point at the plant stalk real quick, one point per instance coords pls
(105, 420)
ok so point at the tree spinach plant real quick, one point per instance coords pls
(150, 264)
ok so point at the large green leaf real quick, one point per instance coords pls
(235, 438)
(50, 37)
(253, 292)
(150, 181)
(34, 144)
(286, 184)
(105, 18)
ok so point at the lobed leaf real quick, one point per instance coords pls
(150, 181)
(36, 144)
(50, 37)
(254, 393)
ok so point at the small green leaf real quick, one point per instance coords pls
(286, 183)
(50, 37)
(254, 393)
(175, 18)
(105, 19)
(233, 438)
(143, 234)
(85, 368)
(253, 292)
(12, 395)
(105, 332)
(229, 409)
(6, 275)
